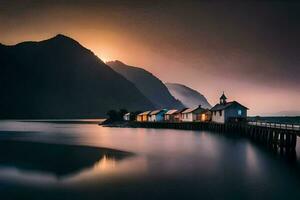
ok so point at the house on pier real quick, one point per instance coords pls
(143, 117)
(126, 117)
(130, 116)
(178, 115)
(196, 114)
(228, 111)
(157, 115)
(169, 116)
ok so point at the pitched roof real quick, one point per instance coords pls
(170, 112)
(204, 111)
(155, 112)
(189, 110)
(145, 113)
(127, 114)
(218, 106)
(180, 111)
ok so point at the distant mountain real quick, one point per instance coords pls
(148, 84)
(287, 113)
(59, 78)
(189, 97)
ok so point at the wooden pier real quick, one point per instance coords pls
(282, 136)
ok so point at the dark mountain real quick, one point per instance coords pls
(189, 97)
(59, 78)
(148, 84)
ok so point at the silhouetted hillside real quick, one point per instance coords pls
(58, 78)
(148, 84)
(189, 97)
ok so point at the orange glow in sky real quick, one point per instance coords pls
(167, 47)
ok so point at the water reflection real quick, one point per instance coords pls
(51, 163)
(167, 164)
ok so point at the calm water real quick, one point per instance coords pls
(41, 160)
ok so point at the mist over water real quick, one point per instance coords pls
(114, 163)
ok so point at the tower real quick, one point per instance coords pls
(223, 99)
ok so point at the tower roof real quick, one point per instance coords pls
(223, 96)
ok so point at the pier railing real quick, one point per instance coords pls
(294, 127)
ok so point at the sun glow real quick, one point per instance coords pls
(103, 57)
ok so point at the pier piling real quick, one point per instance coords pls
(271, 135)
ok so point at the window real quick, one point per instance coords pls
(203, 117)
(220, 112)
(240, 112)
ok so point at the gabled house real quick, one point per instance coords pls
(157, 115)
(178, 115)
(170, 116)
(143, 117)
(192, 114)
(130, 116)
(126, 117)
(228, 111)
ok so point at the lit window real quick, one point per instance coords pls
(239, 112)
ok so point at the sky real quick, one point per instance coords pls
(249, 49)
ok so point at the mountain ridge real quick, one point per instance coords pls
(151, 86)
(188, 96)
(59, 78)
(55, 37)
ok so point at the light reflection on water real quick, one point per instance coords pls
(108, 169)
(103, 169)
(166, 164)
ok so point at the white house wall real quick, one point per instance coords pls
(187, 117)
(217, 118)
(152, 118)
(126, 117)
